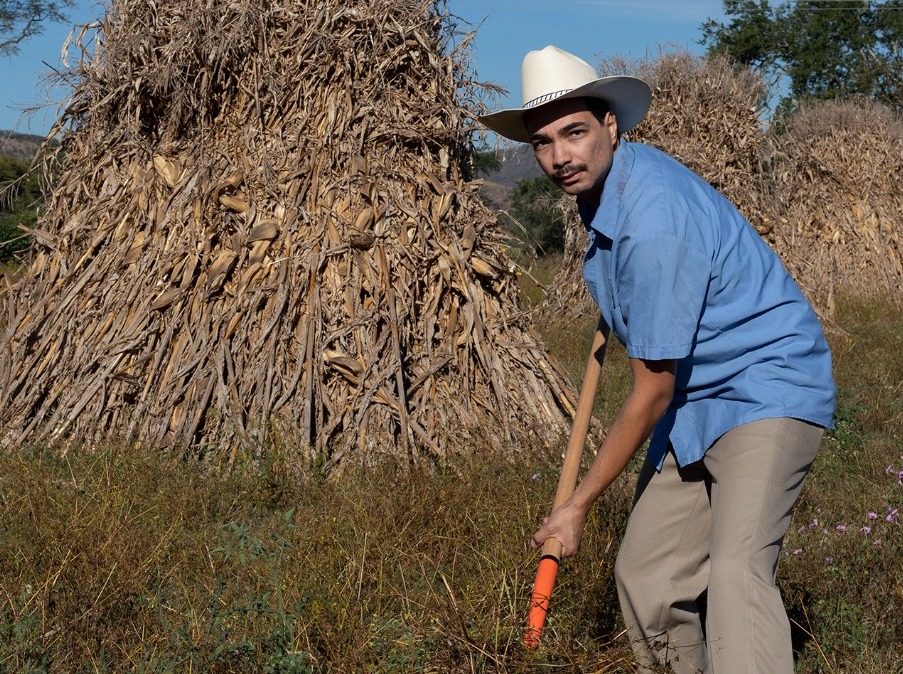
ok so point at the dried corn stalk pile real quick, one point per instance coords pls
(263, 232)
(708, 114)
(839, 206)
(705, 113)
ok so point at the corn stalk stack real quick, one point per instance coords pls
(263, 231)
(838, 167)
(707, 114)
(821, 189)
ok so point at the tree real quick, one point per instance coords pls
(20, 197)
(22, 19)
(535, 206)
(485, 161)
(824, 48)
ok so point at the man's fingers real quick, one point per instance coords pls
(538, 539)
(536, 542)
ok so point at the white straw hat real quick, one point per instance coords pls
(551, 74)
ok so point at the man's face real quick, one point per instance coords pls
(572, 146)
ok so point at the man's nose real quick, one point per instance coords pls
(560, 155)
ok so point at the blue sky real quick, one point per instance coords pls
(506, 30)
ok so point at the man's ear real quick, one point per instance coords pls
(611, 126)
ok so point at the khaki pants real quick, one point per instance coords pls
(715, 527)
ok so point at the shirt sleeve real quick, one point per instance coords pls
(662, 285)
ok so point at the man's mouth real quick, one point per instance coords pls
(569, 177)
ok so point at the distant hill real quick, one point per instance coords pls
(22, 146)
(517, 163)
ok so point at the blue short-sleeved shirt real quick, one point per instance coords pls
(678, 273)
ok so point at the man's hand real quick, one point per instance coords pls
(649, 397)
(565, 524)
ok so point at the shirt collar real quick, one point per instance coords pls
(602, 218)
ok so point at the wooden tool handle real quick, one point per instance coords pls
(567, 482)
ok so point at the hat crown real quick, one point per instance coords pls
(551, 72)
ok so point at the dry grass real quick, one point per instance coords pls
(115, 561)
(123, 559)
(842, 571)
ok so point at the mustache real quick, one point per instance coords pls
(565, 173)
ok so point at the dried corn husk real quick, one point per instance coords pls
(838, 167)
(264, 232)
(707, 114)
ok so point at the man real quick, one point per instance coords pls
(731, 378)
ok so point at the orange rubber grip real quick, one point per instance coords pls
(540, 600)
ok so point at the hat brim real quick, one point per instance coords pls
(627, 97)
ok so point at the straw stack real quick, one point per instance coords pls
(705, 113)
(263, 232)
(838, 167)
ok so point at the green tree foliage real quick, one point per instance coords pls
(824, 48)
(485, 161)
(22, 19)
(534, 206)
(20, 198)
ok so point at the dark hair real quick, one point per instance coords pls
(598, 107)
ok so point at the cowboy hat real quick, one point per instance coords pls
(552, 74)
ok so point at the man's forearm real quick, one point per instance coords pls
(648, 399)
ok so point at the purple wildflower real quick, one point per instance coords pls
(798, 551)
(829, 561)
(873, 515)
(866, 530)
(892, 514)
(841, 528)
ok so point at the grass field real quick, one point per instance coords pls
(122, 560)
